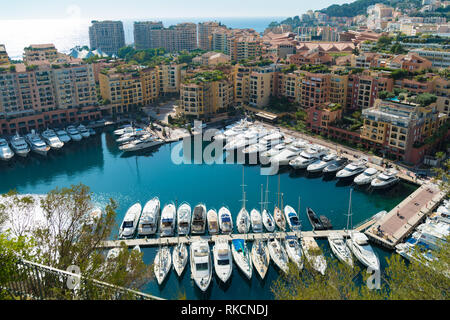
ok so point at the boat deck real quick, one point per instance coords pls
(151, 242)
(403, 219)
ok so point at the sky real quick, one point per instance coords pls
(141, 9)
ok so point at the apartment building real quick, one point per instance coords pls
(170, 78)
(107, 36)
(398, 129)
(319, 118)
(363, 88)
(149, 35)
(205, 30)
(241, 76)
(40, 52)
(4, 59)
(411, 62)
(262, 85)
(438, 58)
(211, 58)
(313, 89)
(240, 47)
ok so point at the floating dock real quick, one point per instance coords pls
(400, 222)
(152, 242)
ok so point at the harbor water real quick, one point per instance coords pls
(99, 164)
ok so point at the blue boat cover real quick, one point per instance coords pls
(226, 219)
(167, 220)
(238, 244)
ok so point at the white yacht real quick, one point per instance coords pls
(292, 218)
(180, 258)
(184, 219)
(352, 169)
(83, 131)
(385, 179)
(264, 144)
(260, 257)
(280, 219)
(36, 144)
(278, 254)
(5, 151)
(52, 139)
(313, 254)
(319, 165)
(130, 221)
(162, 264)
(92, 132)
(128, 128)
(63, 136)
(148, 224)
(233, 130)
(243, 221)
(130, 136)
(73, 133)
(168, 220)
(225, 220)
(19, 146)
(144, 142)
(294, 251)
(289, 153)
(308, 156)
(213, 221)
(335, 166)
(223, 261)
(201, 266)
(366, 177)
(198, 224)
(359, 245)
(256, 221)
(268, 220)
(266, 156)
(340, 249)
(243, 140)
(241, 256)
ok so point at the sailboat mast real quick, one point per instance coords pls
(349, 211)
(266, 202)
(261, 198)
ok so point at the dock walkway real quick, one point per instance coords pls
(403, 219)
(152, 242)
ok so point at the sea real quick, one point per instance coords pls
(98, 163)
(65, 34)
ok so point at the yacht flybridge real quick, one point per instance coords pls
(352, 169)
(385, 179)
(130, 221)
(340, 249)
(73, 133)
(264, 144)
(201, 264)
(308, 156)
(289, 153)
(63, 136)
(319, 165)
(19, 146)
(52, 139)
(335, 166)
(5, 151)
(83, 131)
(359, 245)
(148, 224)
(366, 177)
(36, 144)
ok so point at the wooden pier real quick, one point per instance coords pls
(400, 222)
(171, 241)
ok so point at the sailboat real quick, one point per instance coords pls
(162, 264)
(278, 254)
(180, 258)
(340, 249)
(243, 218)
(278, 215)
(294, 251)
(267, 218)
(241, 257)
(260, 257)
(313, 254)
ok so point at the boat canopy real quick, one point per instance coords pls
(226, 218)
(239, 244)
(167, 220)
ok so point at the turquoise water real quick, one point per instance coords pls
(99, 164)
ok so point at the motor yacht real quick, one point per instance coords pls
(6, 153)
(289, 153)
(266, 156)
(359, 245)
(308, 156)
(168, 220)
(225, 220)
(340, 249)
(36, 144)
(319, 165)
(128, 128)
(130, 221)
(73, 133)
(92, 132)
(352, 169)
(278, 254)
(264, 144)
(241, 256)
(260, 257)
(366, 177)
(256, 221)
(198, 224)
(201, 266)
(130, 136)
(144, 142)
(385, 179)
(162, 264)
(335, 166)
(83, 131)
(313, 254)
(241, 141)
(233, 130)
(294, 250)
(180, 258)
(63, 136)
(223, 261)
(52, 139)
(318, 223)
(292, 218)
(213, 221)
(19, 146)
(148, 224)
(184, 219)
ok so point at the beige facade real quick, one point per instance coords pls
(40, 52)
(205, 30)
(4, 59)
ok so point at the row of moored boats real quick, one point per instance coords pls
(42, 143)
(131, 138)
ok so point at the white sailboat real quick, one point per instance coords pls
(294, 250)
(162, 264)
(340, 249)
(180, 258)
(148, 224)
(278, 215)
(130, 221)
(278, 254)
(225, 220)
(313, 254)
(260, 257)
(201, 266)
(223, 263)
(256, 220)
(242, 257)
(243, 218)
(184, 218)
(267, 218)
